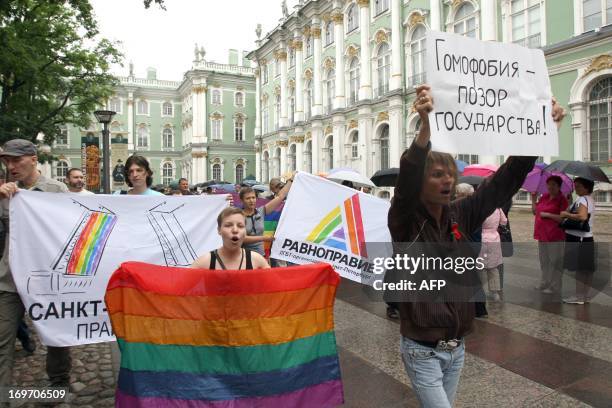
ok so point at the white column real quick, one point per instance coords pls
(258, 102)
(434, 15)
(281, 56)
(283, 158)
(195, 121)
(396, 45)
(578, 115)
(204, 115)
(299, 83)
(364, 126)
(338, 132)
(488, 20)
(204, 166)
(577, 14)
(130, 104)
(365, 79)
(299, 153)
(396, 131)
(317, 137)
(338, 18)
(258, 161)
(315, 31)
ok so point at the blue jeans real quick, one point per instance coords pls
(434, 374)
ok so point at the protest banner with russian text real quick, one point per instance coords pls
(61, 264)
(489, 98)
(323, 221)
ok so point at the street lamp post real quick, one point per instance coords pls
(104, 117)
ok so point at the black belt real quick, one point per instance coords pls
(442, 345)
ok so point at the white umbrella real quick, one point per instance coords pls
(350, 175)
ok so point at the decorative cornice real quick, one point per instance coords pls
(263, 62)
(329, 63)
(351, 51)
(257, 149)
(381, 36)
(308, 135)
(298, 45)
(328, 130)
(382, 116)
(598, 64)
(257, 72)
(199, 155)
(280, 55)
(363, 3)
(337, 17)
(282, 143)
(353, 124)
(308, 74)
(291, 84)
(216, 116)
(199, 89)
(315, 32)
(457, 3)
(306, 31)
(277, 90)
(297, 139)
(415, 18)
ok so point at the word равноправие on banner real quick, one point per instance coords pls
(490, 98)
(62, 263)
(336, 230)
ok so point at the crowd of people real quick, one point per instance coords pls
(428, 206)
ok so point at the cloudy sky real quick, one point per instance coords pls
(165, 39)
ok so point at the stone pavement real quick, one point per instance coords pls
(530, 352)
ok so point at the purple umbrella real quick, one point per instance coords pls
(536, 180)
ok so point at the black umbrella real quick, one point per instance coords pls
(385, 178)
(578, 169)
(471, 180)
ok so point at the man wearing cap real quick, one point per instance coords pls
(20, 158)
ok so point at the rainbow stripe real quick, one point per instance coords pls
(90, 245)
(200, 338)
(330, 230)
(270, 225)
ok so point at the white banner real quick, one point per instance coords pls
(489, 98)
(326, 222)
(64, 248)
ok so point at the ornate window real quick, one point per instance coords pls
(383, 68)
(277, 67)
(239, 99)
(329, 145)
(216, 97)
(308, 156)
(291, 156)
(291, 106)
(167, 109)
(355, 145)
(62, 138)
(600, 120)
(465, 21)
(380, 6)
(330, 89)
(239, 173)
(264, 74)
(354, 81)
(309, 46)
(239, 129)
(167, 173)
(216, 172)
(596, 13)
(329, 33)
(417, 55)
(142, 139)
(114, 104)
(352, 18)
(216, 128)
(384, 148)
(61, 170)
(167, 138)
(308, 100)
(143, 107)
(277, 112)
(526, 23)
(291, 57)
(265, 117)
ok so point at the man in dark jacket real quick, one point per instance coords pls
(433, 325)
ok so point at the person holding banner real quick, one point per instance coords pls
(231, 226)
(20, 157)
(433, 329)
(255, 216)
(139, 176)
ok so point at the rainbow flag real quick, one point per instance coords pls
(90, 244)
(202, 338)
(270, 224)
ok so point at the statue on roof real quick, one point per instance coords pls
(285, 9)
(258, 31)
(131, 69)
(202, 52)
(196, 53)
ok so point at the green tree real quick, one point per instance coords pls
(53, 67)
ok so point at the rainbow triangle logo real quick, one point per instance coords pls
(342, 228)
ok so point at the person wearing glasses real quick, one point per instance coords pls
(255, 216)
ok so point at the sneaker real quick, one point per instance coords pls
(392, 313)
(574, 300)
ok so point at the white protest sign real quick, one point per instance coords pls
(64, 248)
(489, 98)
(323, 221)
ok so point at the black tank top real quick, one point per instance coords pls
(213, 260)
